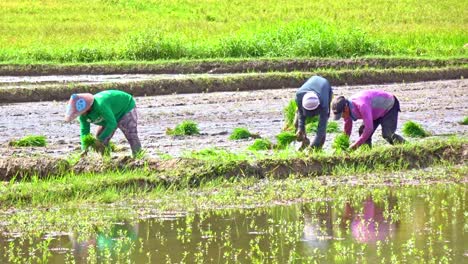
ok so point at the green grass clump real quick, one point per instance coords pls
(261, 144)
(285, 138)
(341, 142)
(30, 141)
(413, 129)
(240, 133)
(465, 121)
(186, 128)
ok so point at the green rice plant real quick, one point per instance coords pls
(413, 129)
(465, 121)
(261, 144)
(89, 142)
(332, 127)
(30, 141)
(341, 142)
(240, 133)
(285, 138)
(289, 113)
(186, 128)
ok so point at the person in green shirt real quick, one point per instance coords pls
(109, 110)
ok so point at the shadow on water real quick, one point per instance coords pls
(411, 224)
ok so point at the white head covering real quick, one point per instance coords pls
(310, 101)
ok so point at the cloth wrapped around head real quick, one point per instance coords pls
(78, 105)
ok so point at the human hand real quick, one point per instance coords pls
(99, 147)
(301, 135)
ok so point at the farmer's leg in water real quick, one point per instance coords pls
(376, 123)
(389, 125)
(128, 124)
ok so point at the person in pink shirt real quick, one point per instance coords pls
(374, 107)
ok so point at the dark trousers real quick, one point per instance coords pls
(389, 124)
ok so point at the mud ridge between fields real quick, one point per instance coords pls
(193, 171)
(236, 66)
(235, 82)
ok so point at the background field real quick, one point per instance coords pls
(109, 30)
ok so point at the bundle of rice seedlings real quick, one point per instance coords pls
(341, 142)
(186, 128)
(89, 142)
(413, 129)
(30, 141)
(465, 121)
(285, 138)
(240, 133)
(261, 144)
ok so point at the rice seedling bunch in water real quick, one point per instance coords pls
(341, 142)
(30, 141)
(186, 128)
(261, 144)
(285, 138)
(240, 133)
(465, 121)
(413, 129)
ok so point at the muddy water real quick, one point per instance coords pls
(408, 224)
(438, 106)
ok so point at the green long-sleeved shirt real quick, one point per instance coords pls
(107, 110)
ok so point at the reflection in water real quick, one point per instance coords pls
(369, 226)
(408, 225)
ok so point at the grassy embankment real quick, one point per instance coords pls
(141, 30)
(216, 165)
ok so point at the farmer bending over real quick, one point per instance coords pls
(109, 110)
(374, 107)
(313, 98)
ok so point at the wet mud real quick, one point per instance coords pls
(49, 88)
(437, 106)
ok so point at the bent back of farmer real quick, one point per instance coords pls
(110, 110)
(313, 98)
(374, 107)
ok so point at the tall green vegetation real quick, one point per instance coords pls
(152, 30)
(413, 129)
(30, 141)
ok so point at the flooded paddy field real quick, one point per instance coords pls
(439, 106)
(341, 224)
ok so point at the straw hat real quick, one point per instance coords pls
(78, 105)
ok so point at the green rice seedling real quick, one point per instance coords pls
(30, 141)
(465, 121)
(285, 138)
(341, 142)
(332, 127)
(261, 144)
(312, 125)
(413, 129)
(186, 128)
(290, 118)
(240, 133)
(89, 142)
(289, 115)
